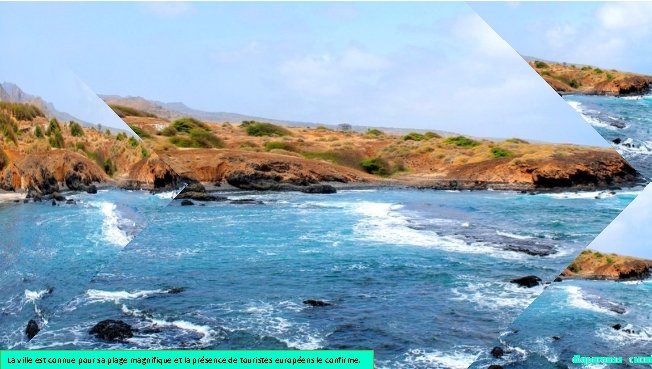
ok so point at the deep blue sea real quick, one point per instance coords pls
(420, 276)
(627, 120)
(581, 314)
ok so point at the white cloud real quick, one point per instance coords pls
(625, 16)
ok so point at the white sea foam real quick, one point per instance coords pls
(496, 296)
(167, 195)
(513, 235)
(420, 358)
(577, 300)
(590, 119)
(581, 195)
(118, 296)
(381, 222)
(33, 296)
(112, 231)
(205, 331)
(625, 335)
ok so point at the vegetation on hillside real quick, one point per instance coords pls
(258, 129)
(21, 111)
(190, 132)
(125, 111)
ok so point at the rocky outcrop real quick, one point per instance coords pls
(152, 173)
(112, 330)
(582, 169)
(633, 85)
(316, 303)
(32, 329)
(42, 174)
(596, 265)
(527, 281)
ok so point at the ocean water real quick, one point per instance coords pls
(51, 252)
(420, 276)
(581, 314)
(627, 119)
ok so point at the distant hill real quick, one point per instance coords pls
(11, 92)
(174, 110)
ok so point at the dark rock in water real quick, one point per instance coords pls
(112, 330)
(247, 201)
(194, 187)
(527, 281)
(316, 303)
(25, 201)
(558, 279)
(617, 141)
(175, 290)
(497, 352)
(531, 249)
(57, 196)
(187, 203)
(616, 326)
(54, 203)
(319, 188)
(556, 338)
(495, 366)
(32, 329)
(92, 189)
(199, 196)
(70, 202)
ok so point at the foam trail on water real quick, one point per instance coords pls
(117, 296)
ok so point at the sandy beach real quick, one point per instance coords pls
(11, 196)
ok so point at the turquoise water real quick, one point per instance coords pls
(626, 120)
(581, 314)
(419, 276)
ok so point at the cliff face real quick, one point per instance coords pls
(565, 78)
(50, 172)
(595, 265)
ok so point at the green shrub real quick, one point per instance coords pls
(574, 268)
(516, 140)
(497, 152)
(121, 136)
(274, 145)
(54, 132)
(574, 83)
(125, 111)
(187, 124)
(541, 65)
(375, 132)
(169, 131)
(133, 141)
(144, 152)
(4, 159)
(80, 146)
(139, 131)
(428, 135)
(56, 140)
(21, 111)
(610, 260)
(181, 141)
(38, 132)
(204, 138)
(349, 158)
(76, 130)
(8, 127)
(598, 254)
(259, 129)
(586, 67)
(109, 166)
(462, 141)
(413, 136)
(377, 166)
(610, 76)
(598, 71)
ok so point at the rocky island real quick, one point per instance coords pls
(588, 80)
(592, 264)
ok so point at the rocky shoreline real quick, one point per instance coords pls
(594, 265)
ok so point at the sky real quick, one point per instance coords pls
(611, 35)
(60, 86)
(630, 233)
(407, 65)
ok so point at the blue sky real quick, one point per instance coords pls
(606, 34)
(416, 65)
